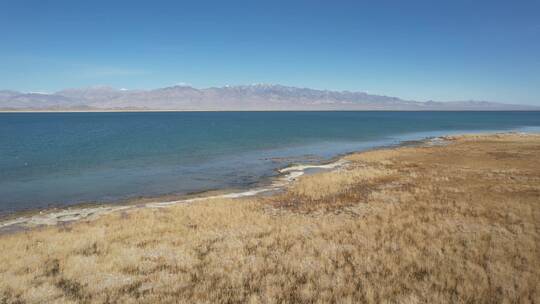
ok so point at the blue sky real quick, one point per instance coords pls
(422, 50)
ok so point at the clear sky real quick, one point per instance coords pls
(422, 50)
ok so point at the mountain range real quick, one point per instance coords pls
(243, 97)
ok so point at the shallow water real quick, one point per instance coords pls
(66, 158)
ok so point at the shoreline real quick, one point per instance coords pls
(35, 218)
(28, 219)
(40, 217)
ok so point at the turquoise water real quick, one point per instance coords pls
(58, 159)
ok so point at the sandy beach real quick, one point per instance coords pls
(449, 220)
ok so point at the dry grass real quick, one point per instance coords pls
(447, 224)
(334, 190)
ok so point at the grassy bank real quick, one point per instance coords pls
(458, 223)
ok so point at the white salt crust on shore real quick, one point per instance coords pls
(44, 218)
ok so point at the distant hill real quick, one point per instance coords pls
(245, 97)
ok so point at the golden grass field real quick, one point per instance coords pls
(458, 223)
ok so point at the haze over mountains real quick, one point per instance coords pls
(244, 97)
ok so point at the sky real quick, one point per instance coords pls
(418, 50)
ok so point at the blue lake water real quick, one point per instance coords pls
(58, 159)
